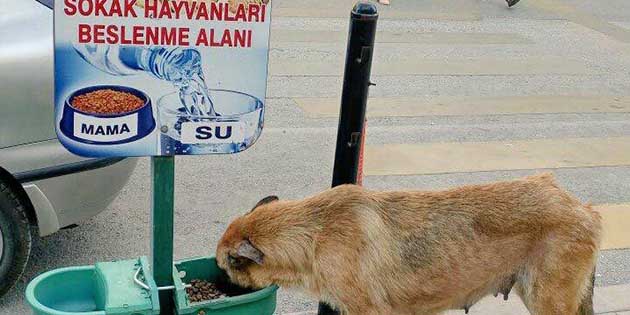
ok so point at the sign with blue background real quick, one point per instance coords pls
(160, 77)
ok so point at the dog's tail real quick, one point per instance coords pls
(586, 306)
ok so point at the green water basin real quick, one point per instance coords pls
(104, 289)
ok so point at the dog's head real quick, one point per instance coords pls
(238, 254)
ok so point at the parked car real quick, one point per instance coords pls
(42, 185)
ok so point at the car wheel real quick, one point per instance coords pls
(15, 238)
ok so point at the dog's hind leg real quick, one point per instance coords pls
(557, 281)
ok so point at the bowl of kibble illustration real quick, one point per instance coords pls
(107, 114)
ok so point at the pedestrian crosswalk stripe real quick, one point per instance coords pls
(473, 66)
(424, 38)
(474, 105)
(438, 158)
(448, 10)
(583, 18)
(615, 220)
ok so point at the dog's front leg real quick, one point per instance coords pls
(366, 311)
(366, 307)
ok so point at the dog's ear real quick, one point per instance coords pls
(247, 250)
(266, 200)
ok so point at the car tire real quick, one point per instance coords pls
(15, 238)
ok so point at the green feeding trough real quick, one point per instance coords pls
(239, 301)
(103, 289)
(124, 288)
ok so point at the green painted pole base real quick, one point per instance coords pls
(163, 180)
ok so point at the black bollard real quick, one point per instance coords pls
(356, 84)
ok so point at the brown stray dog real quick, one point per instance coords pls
(370, 253)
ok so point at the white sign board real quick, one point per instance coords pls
(160, 77)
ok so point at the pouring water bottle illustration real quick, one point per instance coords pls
(181, 66)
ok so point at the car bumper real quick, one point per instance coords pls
(65, 189)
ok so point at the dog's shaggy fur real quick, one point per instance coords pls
(369, 253)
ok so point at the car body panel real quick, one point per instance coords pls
(27, 134)
(80, 196)
(69, 199)
(47, 221)
(26, 72)
(36, 155)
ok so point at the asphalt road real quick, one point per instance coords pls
(452, 50)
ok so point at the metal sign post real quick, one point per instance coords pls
(356, 84)
(162, 216)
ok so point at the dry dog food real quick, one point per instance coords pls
(107, 101)
(201, 290)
